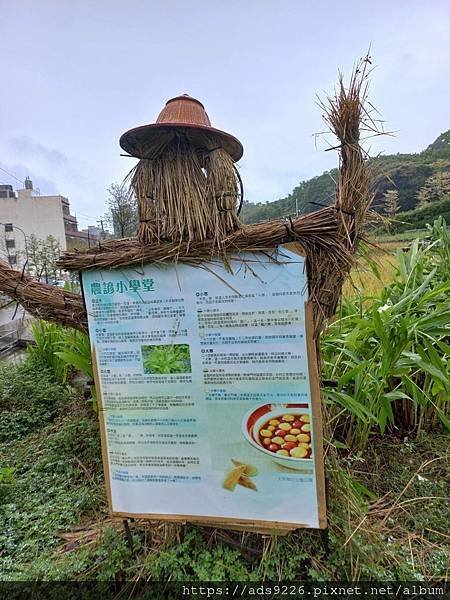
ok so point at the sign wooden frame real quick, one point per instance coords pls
(249, 525)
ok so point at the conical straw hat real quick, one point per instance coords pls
(185, 116)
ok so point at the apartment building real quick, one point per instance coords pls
(25, 213)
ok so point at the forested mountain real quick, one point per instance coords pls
(415, 179)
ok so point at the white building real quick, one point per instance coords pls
(26, 213)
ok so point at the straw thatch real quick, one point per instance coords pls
(185, 194)
(175, 231)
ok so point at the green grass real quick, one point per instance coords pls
(53, 450)
(29, 397)
(409, 235)
(57, 490)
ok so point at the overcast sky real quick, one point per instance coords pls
(77, 74)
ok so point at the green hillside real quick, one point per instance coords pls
(418, 178)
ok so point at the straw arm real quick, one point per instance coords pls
(318, 229)
(42, 300)
(316, 232)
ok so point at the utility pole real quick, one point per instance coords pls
(103, 229)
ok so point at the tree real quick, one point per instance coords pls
(4, 251)
(391, 204)
(51, 251)
(43, 255)
(436, 187)
(122, 212)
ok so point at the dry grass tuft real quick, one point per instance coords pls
(42, 300)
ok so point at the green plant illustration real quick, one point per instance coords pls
(166, 359)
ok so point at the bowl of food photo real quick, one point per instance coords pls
(281, 432)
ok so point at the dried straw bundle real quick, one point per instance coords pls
(347, 115)
(222, 188)
(42, 300)
(316, 232)
(185, 194)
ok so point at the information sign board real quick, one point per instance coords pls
(208, 392)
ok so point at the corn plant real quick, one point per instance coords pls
(77, 352)
(61, 348)
(387, 359)
(48, 338)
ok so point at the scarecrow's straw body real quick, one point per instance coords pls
(175, 230)
(185, 194)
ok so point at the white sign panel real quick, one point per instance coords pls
(205, 394)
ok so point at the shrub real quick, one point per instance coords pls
(417, 218)
(30, 397)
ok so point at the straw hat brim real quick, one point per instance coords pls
(147, 140)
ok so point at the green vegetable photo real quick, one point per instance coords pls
(166, 359)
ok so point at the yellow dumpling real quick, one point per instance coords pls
(284, 426)
(288, 418)
(266, 433)
(299, 452)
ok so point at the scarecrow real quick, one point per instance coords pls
(189, 193)
(186, 181)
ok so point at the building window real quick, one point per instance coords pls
(8, 227)
(10, 243)
(70, 226)
(12, 260)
